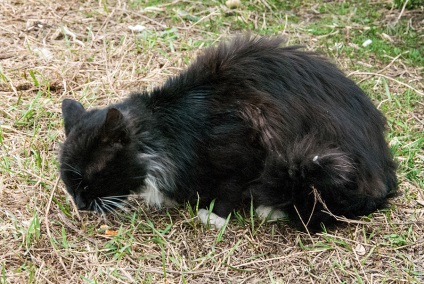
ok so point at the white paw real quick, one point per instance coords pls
(211, 218)
(269, 213)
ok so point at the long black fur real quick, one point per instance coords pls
(249, 117)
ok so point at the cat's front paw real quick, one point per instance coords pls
(211, 218)
(269, 213)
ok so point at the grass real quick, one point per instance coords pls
(93, 56)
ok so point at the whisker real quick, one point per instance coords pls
(122, 204)
(139, 177)
(96, 206)
(117, 199)
(100, 207)
(116, 196)
(78, 185)
(72, 169)
(110, 203)
(109, 208)
(117, 203)
(101, 210)
(78, 178)
(106, 205)
(70, 166)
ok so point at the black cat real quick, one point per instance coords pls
(248, 118)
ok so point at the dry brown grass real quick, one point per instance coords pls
(50, 50)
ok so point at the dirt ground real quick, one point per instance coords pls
(91, 51)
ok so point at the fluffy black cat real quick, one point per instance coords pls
(249, 117)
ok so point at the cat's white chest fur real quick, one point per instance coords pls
(159, 175)
(152, 195)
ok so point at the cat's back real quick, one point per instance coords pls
(254, 70)
(254, 60)
(263, 65)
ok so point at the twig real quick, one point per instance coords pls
(213, 13)
(303, 223)
(361, 266)
(49, 234)
(6, 56)
(391, 62)
(387, 77)
(381, 70)
(268, 259)
(401, 13)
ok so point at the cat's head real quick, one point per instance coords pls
(98, 161)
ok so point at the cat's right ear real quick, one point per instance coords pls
(72, 112)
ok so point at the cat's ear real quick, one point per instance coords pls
(114, 118)
(114, 128)
(72, 112)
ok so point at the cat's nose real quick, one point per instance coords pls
(81, 203)
(82, 206)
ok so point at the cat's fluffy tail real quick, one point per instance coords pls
(327, 182)
(321, 166)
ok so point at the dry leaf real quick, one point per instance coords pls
(386, 37)
(137, 28)
(233, 4)
(111, 232)
(360, 249)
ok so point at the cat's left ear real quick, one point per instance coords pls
(72, 112)
(114, 128)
